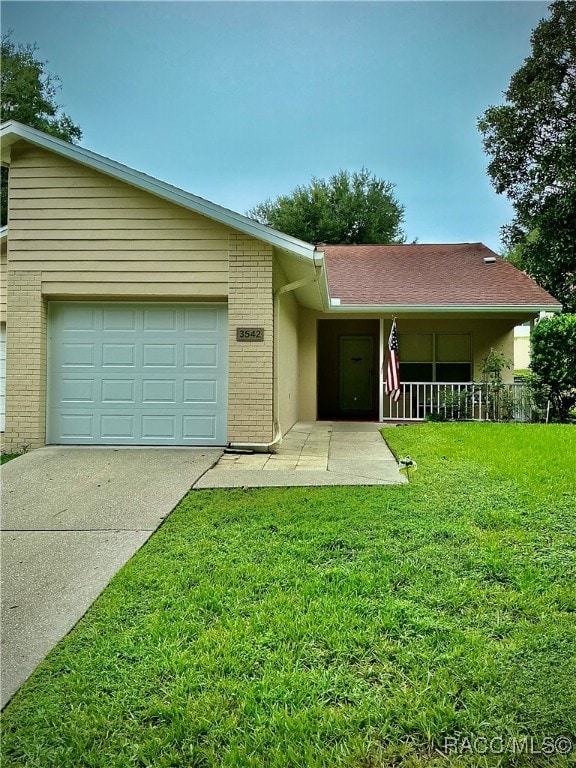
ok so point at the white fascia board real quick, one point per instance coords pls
(13, 131)
(323, 287)
(448, 308)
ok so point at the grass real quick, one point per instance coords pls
(334, 626)
(4, 457)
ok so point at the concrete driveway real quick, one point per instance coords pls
(71, 518)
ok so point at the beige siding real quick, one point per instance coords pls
(90, 235)
(3, 287)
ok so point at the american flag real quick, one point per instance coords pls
(392, 387)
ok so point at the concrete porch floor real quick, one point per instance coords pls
(312, 453)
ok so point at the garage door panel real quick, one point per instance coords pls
(159, 391)
(76, 425)
(200, 391)
(118, 391)
(146, 376)
(114, 319)
(158, 319)
(77, 391)
(159, 427)
(201, 356)
(159, 356)
(78, 355)
(118, 355)
(205, 426)
(205, 320)
(117, 426)
(78, 319)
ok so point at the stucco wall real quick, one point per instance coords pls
(521, 347)
(307, 390)
(286, 356)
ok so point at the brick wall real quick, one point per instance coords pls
(25, 362)
(251, 364)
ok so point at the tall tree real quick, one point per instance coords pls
(347, 208)
(28, 95)
(531, 143)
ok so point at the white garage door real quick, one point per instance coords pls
(137, 374)
(2, 375)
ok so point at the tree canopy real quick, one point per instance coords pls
(531, 143)
(28, 96)
(348, 208)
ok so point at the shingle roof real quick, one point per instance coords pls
(428, 275)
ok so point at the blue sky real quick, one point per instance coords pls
(241, 101)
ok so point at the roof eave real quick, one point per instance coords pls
(13, 131)
(448, 308)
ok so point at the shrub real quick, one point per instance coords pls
(456, 405)
(553, 364)
(497, 397)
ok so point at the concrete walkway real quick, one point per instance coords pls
(312, 453)
(71, 518)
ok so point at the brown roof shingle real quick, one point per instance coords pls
(422, 275)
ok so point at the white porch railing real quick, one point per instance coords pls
(471, 401)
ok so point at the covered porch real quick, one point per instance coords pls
(441, 361)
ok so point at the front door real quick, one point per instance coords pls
(356, 372)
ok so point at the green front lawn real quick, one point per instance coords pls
(321, 627)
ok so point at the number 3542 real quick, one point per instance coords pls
(249, 334)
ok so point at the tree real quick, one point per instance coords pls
(348, 208)
(531, 143)
(553, 363)
(548, 253)
(28, 96)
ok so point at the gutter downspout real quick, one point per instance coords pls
(273, 446)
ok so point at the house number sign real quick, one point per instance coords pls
(249, 334)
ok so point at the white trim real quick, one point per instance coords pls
(440, 308)
(11, 131)
(323, 288)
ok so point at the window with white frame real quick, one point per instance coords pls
(426, 357)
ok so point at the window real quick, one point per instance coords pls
(443, 357)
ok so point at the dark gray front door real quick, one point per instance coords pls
(356, 371)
